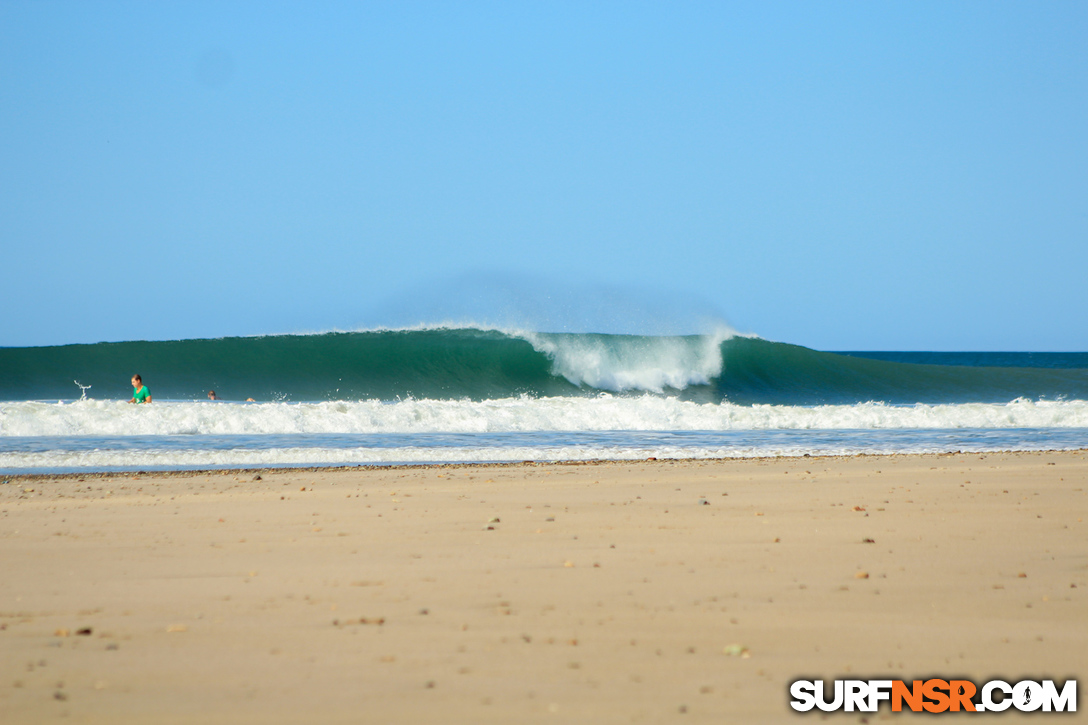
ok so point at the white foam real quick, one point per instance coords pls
(523, 414)
(623, 363)
(617, 363)
(197, 458)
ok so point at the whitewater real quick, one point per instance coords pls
(472, 394)
(110, 435)
(512, 415)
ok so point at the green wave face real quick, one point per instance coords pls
(484, 364)
(333, 366)
(758, 371)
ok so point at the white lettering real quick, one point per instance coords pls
(1027, 696)
(823, 704)
(879, 690)
(804, 695)
(1064, 702)
(987, 696)
(857, 695)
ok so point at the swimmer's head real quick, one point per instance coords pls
(136, 379)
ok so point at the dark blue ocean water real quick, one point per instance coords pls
(1059, 360)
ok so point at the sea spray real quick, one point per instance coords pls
(624, 363)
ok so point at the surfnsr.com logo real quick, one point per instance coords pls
(934, 695)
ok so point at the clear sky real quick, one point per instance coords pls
(892, 175)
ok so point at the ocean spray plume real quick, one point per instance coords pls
(622, 363)
(515, 302)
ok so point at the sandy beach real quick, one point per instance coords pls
(614, 592)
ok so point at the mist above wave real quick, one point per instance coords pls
(514, 302)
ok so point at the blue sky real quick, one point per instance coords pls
(840, 175)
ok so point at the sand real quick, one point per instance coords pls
(637, 592)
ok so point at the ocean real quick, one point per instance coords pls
(442, 395)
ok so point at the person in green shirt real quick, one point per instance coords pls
(140, 393)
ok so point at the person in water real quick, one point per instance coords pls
(140, 393)
(212, 395)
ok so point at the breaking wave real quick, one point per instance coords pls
(490, 365)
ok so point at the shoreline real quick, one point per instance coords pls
(603, 592)
(257, 470)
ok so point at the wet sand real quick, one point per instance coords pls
(635, 592)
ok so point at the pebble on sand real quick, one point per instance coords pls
(361, 620)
